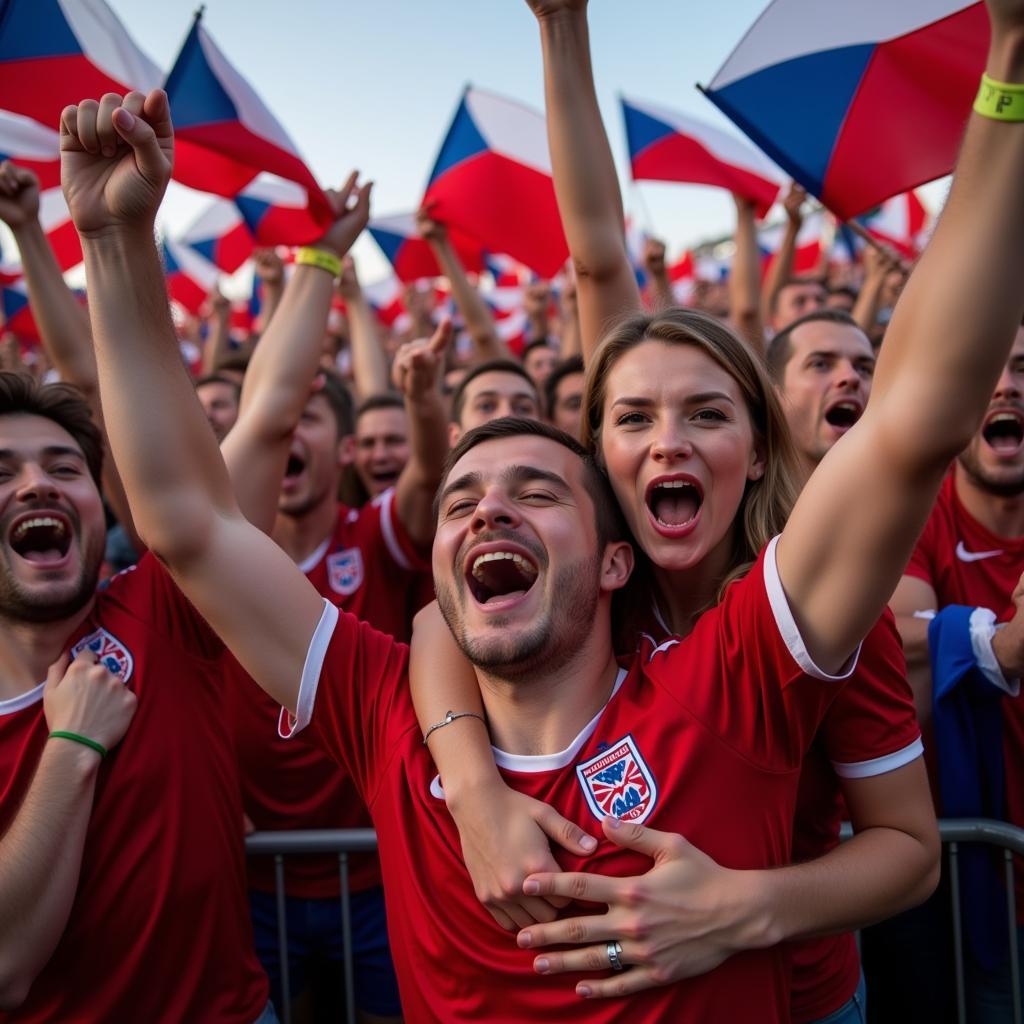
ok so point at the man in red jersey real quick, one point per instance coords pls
(963, 583)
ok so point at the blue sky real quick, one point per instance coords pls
(373, 84)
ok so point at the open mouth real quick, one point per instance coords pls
(674, 503)
(40, 538)
(843, 415)
(296, 464)
(1004, 432)
(384, 476)
(501, 575)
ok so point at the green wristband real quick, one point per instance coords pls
(84, 740)
(1002, 101)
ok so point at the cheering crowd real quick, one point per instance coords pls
(605, 637)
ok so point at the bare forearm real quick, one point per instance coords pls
(745, 280)
(781, 268)
(421, 477)
(865, 309)
(369, 362)
(478, 318)
(40, 860)
(218, 343)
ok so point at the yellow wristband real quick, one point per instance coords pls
(310, 257)
(1001, 101)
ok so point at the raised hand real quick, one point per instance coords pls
(348, 284)
(268, 266)
(793, 203)
(351, 207)
(88, 700)
(550, 8)
(418, 364)
(654, 257)
(682, 918)
(116, 159)
(430, 230)
(19, 195)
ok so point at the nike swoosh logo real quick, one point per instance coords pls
(973, 556)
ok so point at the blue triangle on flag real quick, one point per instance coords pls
(462, 141)
(194, 91)
(31, 29)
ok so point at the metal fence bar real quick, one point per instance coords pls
(282, 937)
(1011, 908)
(346, 938)
(958, 938)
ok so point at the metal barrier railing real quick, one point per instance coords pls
(953, 832)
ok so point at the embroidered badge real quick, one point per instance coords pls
(109, 651)
(345, 570)
(617, 781)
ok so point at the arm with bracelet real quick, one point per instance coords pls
(88, 710)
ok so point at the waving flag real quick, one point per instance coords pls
(411, 256)
(807, 256)
(55, 52)
(385, 299)
(189, 277)
(220, 235)
(277, 212)
(60, 232)
(901, 222)
(857, 101)
(18, 318)
(492, 179)
(668, 146)
(32, 145)
(224, 135)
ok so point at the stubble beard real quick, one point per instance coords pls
(983, 479)
(19, 603)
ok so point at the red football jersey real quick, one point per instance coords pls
(870, 729)
(702, 736)
(967, 564)
(159, 929)
(369, 567)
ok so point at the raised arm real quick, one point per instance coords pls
(877, 264)
(245, 586)
(285, 362)
(856, 522)
(781, 268)
(657, 271)
(41, 850)
(745, 279)
(269, 270)
(369, 360)
(479, 321)
(586, 184)
(218, 325)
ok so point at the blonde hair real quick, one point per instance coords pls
(768, 501)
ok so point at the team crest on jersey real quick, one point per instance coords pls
(345, 570)
(109, 651)
(617, 781)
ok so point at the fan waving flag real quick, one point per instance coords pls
(220, 235)
(54, 52)
(668, 146)
(492, 179)
(30, 144)
(857, 101)
(411, 256)
(224, 136)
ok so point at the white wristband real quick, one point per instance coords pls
(983, 629)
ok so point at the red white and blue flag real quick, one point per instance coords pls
(411, 256)
(31, 144)
(55, 52)
(220, 235)
(807, 255)
(277, 212)
(492, 179)
(902, 222)
(665, 145)
(60, 231)
(190, 278)
(859, 101)
(17, 313)
(385, 299)
(224, 135)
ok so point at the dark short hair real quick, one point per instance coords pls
(217, 378)
(62, 403)
(610, 524)
(844, 289)
(567, 367)
(381, 400)
(236, 360)
(491, 366)
(788, 283)
(339, 399)
(780, 348)
(537, 343)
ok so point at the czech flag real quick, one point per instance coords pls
(861, 101)
(55, 218)
(385, 299)
(807, 256)
(30, 144)
(190, 278)
(668, 146)
(411, 256)
(901, 222)
(277, 212)
(56, 52)
(224, 135)
(18, 318)
(492, 179)
(220, 235)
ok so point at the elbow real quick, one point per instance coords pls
(603, 268)
(929, 873)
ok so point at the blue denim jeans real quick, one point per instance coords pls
(852, 1012)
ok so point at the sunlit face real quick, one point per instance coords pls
(382, 448)
(994, 460)
(565, 412)
(825, 384)
(52, 528)
(797, 300)
(220, 403)
(516, 562)
(315, 460)
(539, 363)
(679, 449)
(495, 394)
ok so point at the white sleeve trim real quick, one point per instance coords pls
(386, 504)
(787, 624)
(879, 765)
(288, 724)
(983, 627)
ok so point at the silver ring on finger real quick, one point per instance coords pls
(614, 951)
